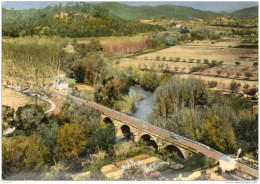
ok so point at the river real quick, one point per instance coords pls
(145, 106)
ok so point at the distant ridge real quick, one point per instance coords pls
(161, 11)
(251, 12)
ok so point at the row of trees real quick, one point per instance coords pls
(31, 63)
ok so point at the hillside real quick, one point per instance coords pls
(246, 13)
(163, 11)
(80, 20)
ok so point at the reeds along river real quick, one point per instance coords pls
(145, 106)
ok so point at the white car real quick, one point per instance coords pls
(45, 97)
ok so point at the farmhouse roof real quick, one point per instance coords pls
(226, 158)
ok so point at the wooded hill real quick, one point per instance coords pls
(170, 11)
(75, 23)
(251, 12)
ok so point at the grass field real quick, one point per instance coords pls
(16, 99)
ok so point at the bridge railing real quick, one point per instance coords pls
(143, 122)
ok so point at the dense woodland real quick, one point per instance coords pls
(84, 20)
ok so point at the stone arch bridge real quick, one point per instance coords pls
(136, 130)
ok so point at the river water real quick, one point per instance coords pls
(145, 106)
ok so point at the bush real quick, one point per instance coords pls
(234, 86)
(213, 63)
(220, 63)
(212, 84)
(255, 64)
(237, 63)
(191, 60)
(219, 72)
(163, 58)
(178, 59)
(158, 58)
(206, 61)
(197, 68)
(246, 86)
(238, 74)
(198, 60)
(171, 59)
(248, 74)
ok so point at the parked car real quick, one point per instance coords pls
(17, 89)
(175, 137)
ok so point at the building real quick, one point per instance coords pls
(61, 85)
(227, 163)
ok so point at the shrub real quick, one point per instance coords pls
(248, 74)
(197, 68)
(117, 62)
(184, 60)
(122, 148)
(255, 64)
(246, 86)
(234, 86)
(171, 59)
(213, 63)
(238, 74)
(176, 68)
(163, 58)
(191, 60)
(198, 60)
(220, 63)
(212, 84)
(237, 63)
(206, 61)
(158, 58)
(178, 59)
(219, 72)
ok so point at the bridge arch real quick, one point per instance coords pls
(107, 120)
(150, 140)
(127, 132)
(172, 148)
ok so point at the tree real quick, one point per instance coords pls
(7, 116)
(219, 72)
(70, 143)
(248, 75)
(109, 93)
(29, 118)
(237, 63)
(234, 86)
(23, 154)
(102, 139)
(218, 133)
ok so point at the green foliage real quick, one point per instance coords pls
(71, 142)
(247, 134)
(102, 139)
(237, 63)
(157, 58)
(197, 68)
(148, 12)
(23, 154)
(109, 93)
(150, 81)
(179, 93)
(218, 133)
(234, 86)
(7, 116)
(198, 160)
(92, 21)
(212, 84)
(29, 118)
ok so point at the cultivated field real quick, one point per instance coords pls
(188, 55)
(16, 99)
